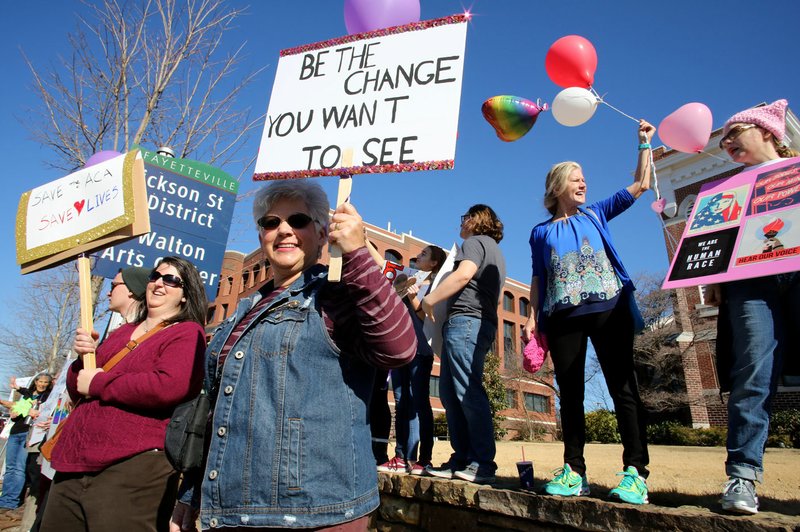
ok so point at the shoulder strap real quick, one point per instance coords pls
(131, 345)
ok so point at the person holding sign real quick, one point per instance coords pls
(290, 375)
(411, 383)
(473, 289)
(22, 414)
(755, 322)
(580, 290)
(112, 472)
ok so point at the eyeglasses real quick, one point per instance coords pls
(465, 217)
(167, 278)
(114, 285)
(733, 134)
(298, 220)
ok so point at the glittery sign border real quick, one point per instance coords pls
(353, 170)
(393, 30)
(25, 255)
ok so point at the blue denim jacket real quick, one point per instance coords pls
(290, 445)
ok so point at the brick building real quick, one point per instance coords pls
(532, 403)
(680, 176)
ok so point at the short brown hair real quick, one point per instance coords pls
(484, 221)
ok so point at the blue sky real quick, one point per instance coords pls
(652, 58)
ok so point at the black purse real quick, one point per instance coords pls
(185, 440)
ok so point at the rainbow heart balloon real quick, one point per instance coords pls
(511, 116)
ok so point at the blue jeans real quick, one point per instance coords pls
(412, 407)
(469, 418)
(759, 321)
(14, 479)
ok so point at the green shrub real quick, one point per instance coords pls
(673, 433)
(601, 426)
(784, 427)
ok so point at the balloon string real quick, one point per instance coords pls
(715, 157)
(601, 100)
(655, 176)
(672, 244)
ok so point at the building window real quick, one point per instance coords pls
(537, 403)
(228, 288)
(412, 263)
(210, 314)
(256, 272)
(224, 312)
(508, 301)
(523, 307)
(509, 345)
(434, 386)
(393, 256)
(245, 281)
(511, 398)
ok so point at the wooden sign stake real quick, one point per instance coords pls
(85, 285)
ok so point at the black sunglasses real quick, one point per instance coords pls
(114, 285)
(298, 220)
(733, 134)
(167, 278)
(465, 217)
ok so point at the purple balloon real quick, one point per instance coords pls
(369, 15)
(101, 156)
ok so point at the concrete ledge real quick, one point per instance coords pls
(423, 503)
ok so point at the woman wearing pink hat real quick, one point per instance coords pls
(754, 319)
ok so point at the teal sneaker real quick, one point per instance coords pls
(567, 483)
(632, 488)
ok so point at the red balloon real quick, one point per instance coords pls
(571, 62)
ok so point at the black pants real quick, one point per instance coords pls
(137, 494)
(611, 333)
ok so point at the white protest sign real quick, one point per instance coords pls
(83, 211)
(387, 100)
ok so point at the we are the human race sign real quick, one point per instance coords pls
(383, 101)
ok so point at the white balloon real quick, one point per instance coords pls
(573, 106)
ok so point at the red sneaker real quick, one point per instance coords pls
(419, 468)
(395, 465)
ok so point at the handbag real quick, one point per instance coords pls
(185, 440)
(47, 447)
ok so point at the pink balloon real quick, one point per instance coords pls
(687, 129)
(658, 205)
(101, 156)
(369, 15)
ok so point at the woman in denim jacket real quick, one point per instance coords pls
(290, 376)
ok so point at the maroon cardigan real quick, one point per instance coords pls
(131, 405)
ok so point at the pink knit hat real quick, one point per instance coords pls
(771, 117)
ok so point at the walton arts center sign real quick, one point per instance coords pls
(191, 208)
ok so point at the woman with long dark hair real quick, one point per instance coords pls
(112, 472)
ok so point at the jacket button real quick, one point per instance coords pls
(238, 355)
(213, 522)
(228, 389)
(213, 474)
(221, 431)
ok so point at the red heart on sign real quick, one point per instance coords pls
(79, 205)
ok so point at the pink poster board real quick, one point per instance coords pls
(745, 226)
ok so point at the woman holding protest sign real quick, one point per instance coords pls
(411, 383)
(22, 414)
(290, 376)
(472, 291)
(756, 322)
(580, 290)
(112, 472)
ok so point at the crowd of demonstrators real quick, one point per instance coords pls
(411, 383)
(472, 291)
(112, 472)
(758, 322)
(290, 377)
(23, 413)
(297, 376)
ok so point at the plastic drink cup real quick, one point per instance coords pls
(525, 470)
